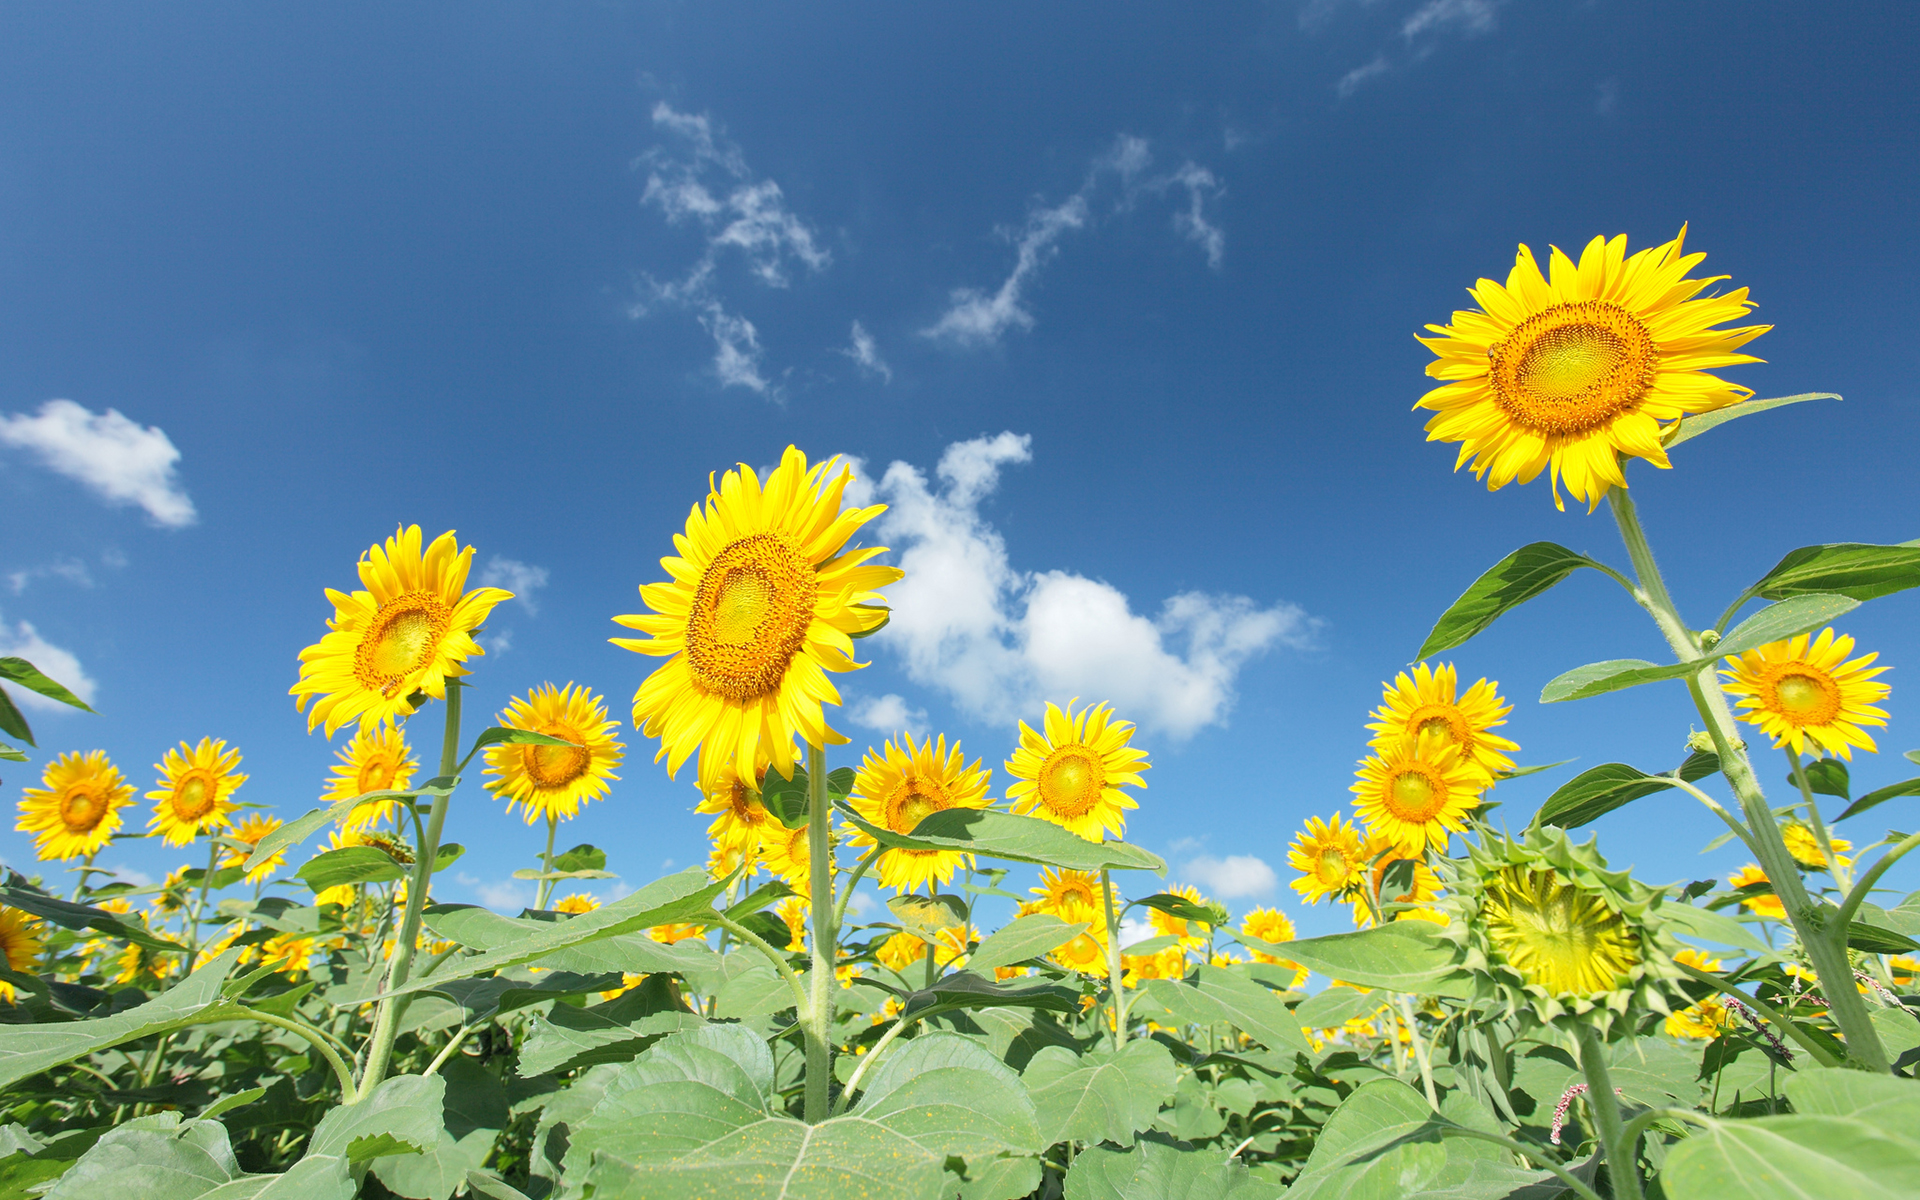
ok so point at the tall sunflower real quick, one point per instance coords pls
(194, 791)
(378, 759)
(252, 829)
(408, 632)
(19, 943)
(900, 785)
(1416, 792)
(1568, 370)
(1428, 704)
(1329, 856)
(763, 600)
(554, 781)
(1805, 690)
(80, 807)
(1072, 774)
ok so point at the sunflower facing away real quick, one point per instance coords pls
(1416, 793)
(19, 944)
(195, 789)
(1428, 705)
(251, 830)
(1559, 937)
(79, 809)
(1330, 859)
(409, 631)
(554, 781)
(898, 786)
(762, 602)
(1568, 370)
(1803, 690)
(1073, 774)
(376, 760)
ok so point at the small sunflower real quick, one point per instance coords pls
(195, 786)
(1803, 690)
(1084, 952)
(1417, 792)
(1272, 926)
(252, 830)
(900, 785)
(1804, 845)
(676, 931)
(554, 781)
(1189, 934)
(794, 910)
(1329, 856)
(289, 953)
(1073, 896)
(409, 631)
(740, 818)
(576, 904)
(137, 964)
(764, 599)
(1766, 904)
(1428, 704)
(378, 759)
(783, 852)
(1073, 774)
(79, 809)
(1167, 963)
(20, 944)
(1709, 1017)
(1568, 371)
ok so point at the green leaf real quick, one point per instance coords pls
(569, 1038)
(1382, 1142)
(1522, 772)
(69, 915)
(1154, 945)
(771, 892)
(474, 1112)
(1512, 581)
(230, 1102)
(581, 858)
(1890, 1104)
(840, 782)
(351, 864)
(1710, 926)
(1791, 1158)
(1909, 787)
(1401, 956)
(1250, 1007)
(1825, 777)
(1877, 940)
(950, 1095)
(24, 673)
(1693, 426)
(966, 990)
(501, 735)
(786, 799)
(1157, 1168)
(403, 1111)
(1856, 569)
(1597, 679)
(1599, 790)
(994, 834)
(25, 1171)
(1175, 905)
(478, 928)
(1335, 1006)
(1021, 939)
(162, 1157)
(1101, 1096)
(928, 916)
(300, 828)
(9, 753)
(13, 722)
(1778, 622)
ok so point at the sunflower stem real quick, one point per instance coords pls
(546, 862)
(1841, 875)
(1113, 959)
(817, 1022)
(1420, 1052)
(1623, 1168)
(1825, 946)
(386, 1024)
(200, 905)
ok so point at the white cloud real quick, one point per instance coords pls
(517, 577)
(1192, 221)
(889, 714)
(498, 643)
(1134, 930)
(863, 904)
(130, 875)
(736, 355)
(1235, 877)
(506, 895)
(999, 640)
(864, 350)
(123, 462)
(1471, 16)
(70, 569)
(1352, 80)
(55, 662)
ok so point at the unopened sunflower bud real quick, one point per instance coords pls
(1709, 638)
(1700, 742)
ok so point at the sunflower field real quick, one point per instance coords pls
(1508, 1017)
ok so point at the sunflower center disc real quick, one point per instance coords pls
(194, 797)
(1806, 699)
(557, 766)
(1572, 368)
(1414, 796)
(1557, 936)
(914, 807)
(750, 616)
(406, 631)
(80, 810)
(376, 774)
(740, 798)
(1441, 723)
(1070, 781)
(1332, 867)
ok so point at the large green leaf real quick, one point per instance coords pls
(1224, 994)
(1595, 792)
(994, 834)
(475, 1111)
(1777, 622)
(1383, 1141)
(1512, 581)
(947, 1093)
(402, 1116)
(69, 915)
(24, 673)
(1881, 1100)
(1792, 1158)
(1401, 956)
(1856, 569)
(1711, 926)
(568, 1038)
(162, 1157)
(1599, 678)
(1021, 939)
(966, 990)
(1336, 1006)
(351, 864)
(1693, 426)
(1101, 1096)
(1157, 1168)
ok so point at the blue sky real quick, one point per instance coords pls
(531, 272)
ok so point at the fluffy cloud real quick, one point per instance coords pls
(864, 350)
(999, 640)
(122, 462)
(55, 662)
(522, 579)
(1235, 877)
(889, 714)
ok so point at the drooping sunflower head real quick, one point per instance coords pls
(1806, 690)
(1805, 847)
(1330, 859)
(1569, 370)
(740, 818)
(252, 829)
(1073, 896)
(1544, 927)
(1189, 933)
(1427, 705)
(1073, 772)
(410, 630)
(903, 783)
(378, 759)
(1417, 792)
(77, 809)
(20, 945)
(554, 781)
(1272, 926)
(762, 601)
(195, 790)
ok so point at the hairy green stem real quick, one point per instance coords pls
(1420, 1052)
(546, 864)
(1623, 1167)
(749, 938)
(817, 1021)
(1638, 1127)
(313, 1037)
(1114, 973)
(453, 1044)
(873, 1056)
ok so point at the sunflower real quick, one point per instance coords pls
(897, 787)
(289, 953)
(221, 945)
(136, 963)
(1803, 690)
(676, 931)
(1905, 970)
(1416, 792)
(1272, 926)
(1568, 371)
(1558, 937)
(1189, 934)
(194, 789)
(80, 808)
(783, 852)
(554, 781)
(1330, 859)
(409, 632)
(1427, 704)
(740, 818)
(1072, 776)
(376, 760)
(576, 904)
(252, 830)
(794, 910)
(1766, 904)
(1073, 896)
(761, 604)
(1169, 962)
(1422, 890)
(1709, 1017)
(1804, 845)
(20, 944)
(1084, 952)
(723, 861)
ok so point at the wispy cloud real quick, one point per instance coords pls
(70, 569)
(1420, 32)
(975, 317)
(1235, 877)
(1192, 221)
(505, 895)
(1470, 16)
(863, 350)
(889, 714)
(704, 180)
(1353, 80)
(120, 461)
(522, 579)
(57, 663)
